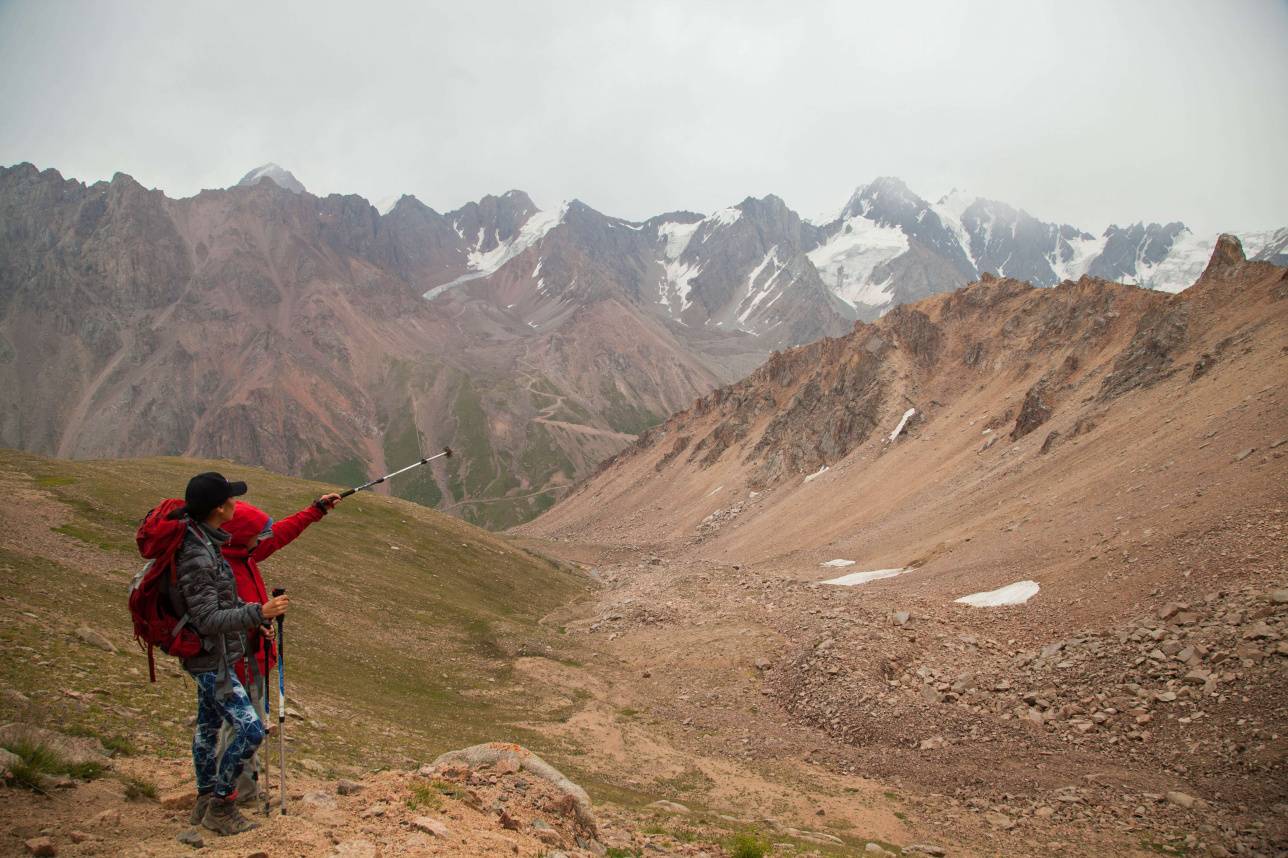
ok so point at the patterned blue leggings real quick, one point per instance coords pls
(214, 771)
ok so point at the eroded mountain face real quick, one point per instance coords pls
(317, 336)
(278, 328)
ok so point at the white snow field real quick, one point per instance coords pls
(837, 564)
(1012, 594)
(855, 578)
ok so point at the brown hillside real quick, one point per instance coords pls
(1046, 418)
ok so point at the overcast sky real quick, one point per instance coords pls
(1079, 112)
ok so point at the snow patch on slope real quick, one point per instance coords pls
(484, 263)
(950, 210)
(678, 236)
(856, 578)
(1012, 594)
(846, 261)
(757, 294)
(1085, 251)
(385, 205)
(1181, 266)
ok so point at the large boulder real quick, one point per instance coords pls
(71, 749)
(505, 755)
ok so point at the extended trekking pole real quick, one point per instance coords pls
(266, 750)
(447, 451)
(281, 698)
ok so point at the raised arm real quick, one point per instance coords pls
(286, 530)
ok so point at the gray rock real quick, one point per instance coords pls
(73, 749)
(346, 787)
(999, 820)
(1279, 597)
(669, 807)
(192, 837)
(319, 799)
(925, 849)
(42, 846)
(1181, 799)
(89, 636)
(8, 759)
(1243, 454)
(429, 825)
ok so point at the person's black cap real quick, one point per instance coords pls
(207, 491)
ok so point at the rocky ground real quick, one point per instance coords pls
(1163, 733)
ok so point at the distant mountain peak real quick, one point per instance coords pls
(279, 175)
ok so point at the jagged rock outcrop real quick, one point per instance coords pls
(1227, 254)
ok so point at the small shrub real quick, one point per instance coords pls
(423, 795)
(39, 761)
(620, 852)
(138, 789)
(747, 846)
(118, 745)
(448, 789)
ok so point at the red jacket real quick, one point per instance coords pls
(248, 522)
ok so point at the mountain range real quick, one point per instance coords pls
(325, 337)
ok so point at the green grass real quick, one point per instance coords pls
(448, 789)
(117, 746)
(37, 761)
(402, 446)
(138, 789)
(622, 414)
(423, 796)
(622, 852)
(343, 474)
(91, 536)
(1176, 847)
(542, 460)
(747, 846)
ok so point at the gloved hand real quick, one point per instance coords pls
(327, 502)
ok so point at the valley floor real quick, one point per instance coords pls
(765, 694)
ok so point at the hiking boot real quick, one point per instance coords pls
(223, 817)
(199, 809)
(248, 797)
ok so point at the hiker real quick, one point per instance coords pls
(253, 537)
(207, 596)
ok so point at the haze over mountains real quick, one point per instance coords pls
(320, 336)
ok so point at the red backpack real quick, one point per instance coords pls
(159, 538)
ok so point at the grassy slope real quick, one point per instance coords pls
(399, 641)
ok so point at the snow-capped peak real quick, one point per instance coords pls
(281, 177)
(385, 205)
